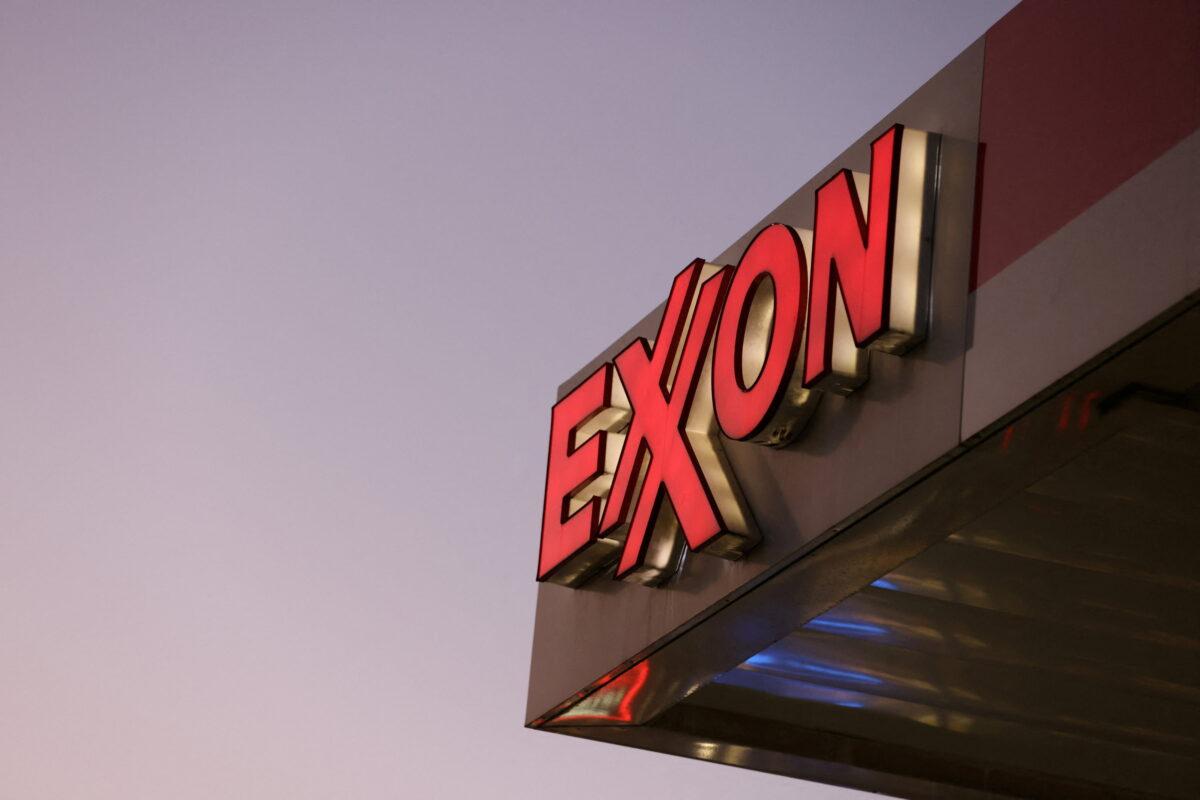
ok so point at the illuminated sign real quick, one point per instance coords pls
(636, 467)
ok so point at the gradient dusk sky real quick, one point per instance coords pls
(285, 293)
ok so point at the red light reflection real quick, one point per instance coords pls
(612, 702)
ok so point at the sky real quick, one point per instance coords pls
(285, 293)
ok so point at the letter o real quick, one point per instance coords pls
(746, 403)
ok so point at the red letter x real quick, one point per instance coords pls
(660, 413)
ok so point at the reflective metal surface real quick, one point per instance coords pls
(1021, 620)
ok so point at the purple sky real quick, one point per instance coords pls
(285, 293)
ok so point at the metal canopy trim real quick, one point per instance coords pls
(1019, 620)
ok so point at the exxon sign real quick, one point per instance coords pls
(636, 466)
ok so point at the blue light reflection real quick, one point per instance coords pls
(845, 626)
(769, 660)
